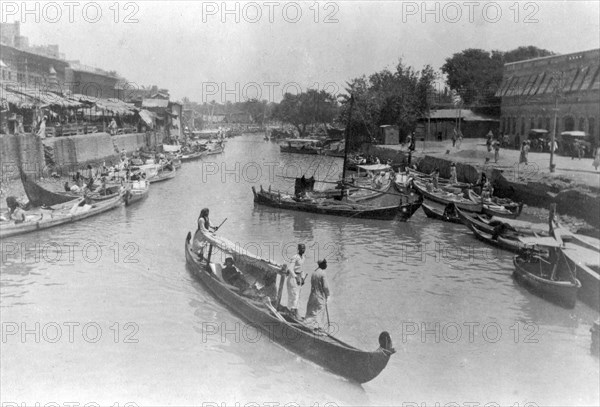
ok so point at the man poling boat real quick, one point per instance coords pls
(255, 306)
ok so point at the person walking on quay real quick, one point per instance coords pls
(454, 138)
(524, 153)
(488, 142)
(112, 127)
(496, 145)
(319, 293)
(42, 131)
(295, 280)
(459, 140)
(596, 162)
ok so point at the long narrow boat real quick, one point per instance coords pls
(280, 200)
(503, 242)
(550, 279)
(156, 173)
(313, 344)
(40, 196)
(445, 182)
(447, 215)
(192, 156)
(445, 198)
(61, 214)
(497, 206)
(214, 151)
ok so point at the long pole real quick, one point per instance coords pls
(347, 142)
(553, 137)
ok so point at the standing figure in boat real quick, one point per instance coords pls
(204, 226)
(435, 178)
(295, 279)
(453, 176)
(319, 293)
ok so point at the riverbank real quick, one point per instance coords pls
(574, 186)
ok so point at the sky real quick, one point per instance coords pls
(239, 50)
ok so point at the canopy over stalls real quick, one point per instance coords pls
(148, 117)
(114, 106)
(22, 97)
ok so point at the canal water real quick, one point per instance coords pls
(105, 311)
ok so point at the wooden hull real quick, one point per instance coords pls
(445, 199)
(408, 209)
(510, 210)
(293, 150)
(192, 156)
(162, 176)
(435, 213)
(328, 207)
(511, 245)
(442, 181)
(133, 195)
(214, 152)
(563, 293)
(322, 349)
(49, 219)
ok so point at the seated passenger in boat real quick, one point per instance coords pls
(15, 212)
(233, 276)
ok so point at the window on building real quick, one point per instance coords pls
(568, 123)
(581, 124)
(531, 123)
(540, 123)
(592, 126)
(548, 124)
(514, 125)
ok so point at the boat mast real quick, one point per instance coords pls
(347, 141)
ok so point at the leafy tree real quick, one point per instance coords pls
(306, 108)
(476, 74)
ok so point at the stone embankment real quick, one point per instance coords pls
(573, 187)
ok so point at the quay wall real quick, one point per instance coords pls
(574, 201)
(66, 154)
(23, 150)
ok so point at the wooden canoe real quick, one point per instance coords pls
(445, 198)
(192, 156)
(58, 215)
(315, 345)
(325, 206)
(435, 213)
(503, 242)
(536, 274)
(442, 181)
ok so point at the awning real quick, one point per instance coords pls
(375, 167)
(37, 97)
(114, 106)
(147, 117)
(155, 102)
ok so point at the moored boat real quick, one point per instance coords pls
(448, 214)
(497, 206)
(512, 244)
(136, 191)
(445, 198)
(324, 206)
(549, 277)
(315, 345)
(192, 156)
(68, 212)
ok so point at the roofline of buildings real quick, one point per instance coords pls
(63, 61)
(552, 56)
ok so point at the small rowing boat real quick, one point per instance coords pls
(313, 344)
